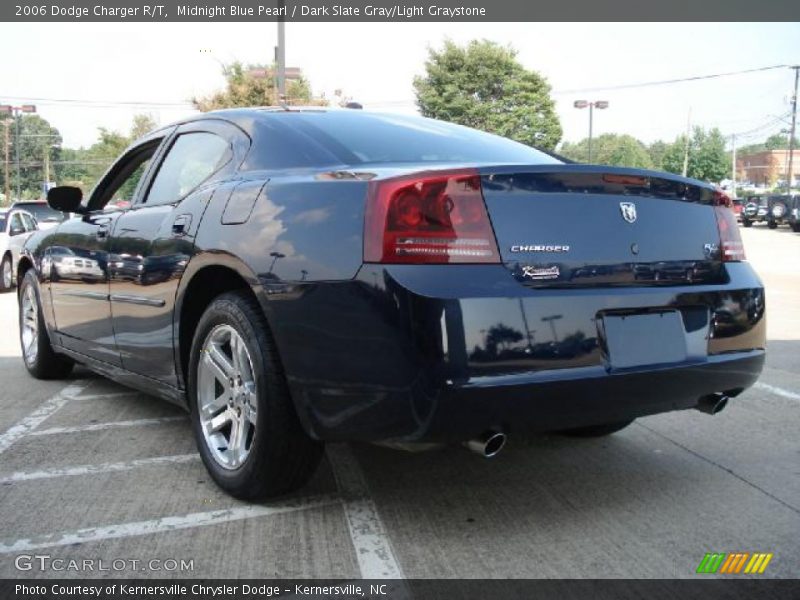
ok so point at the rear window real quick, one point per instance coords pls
(42, 212)
(2, 223)
(351, 137)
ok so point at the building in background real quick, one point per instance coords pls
(767, 168)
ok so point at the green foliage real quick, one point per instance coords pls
(482, 85)
(253, 85)
(37, 139)
(777, 141)
(708, 159)
(610, 149)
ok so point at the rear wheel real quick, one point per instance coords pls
(247, 430)
(596, 430)
(772, 224)
(40, 359)
(796, 227)
(6, 279)
(747, 222)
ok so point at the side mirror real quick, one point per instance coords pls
(65, 198)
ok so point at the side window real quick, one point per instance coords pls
(16, 223)
(30, 224)
(118, 186)
(193, 158)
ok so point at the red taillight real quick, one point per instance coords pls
(730, 242)
(429, 218)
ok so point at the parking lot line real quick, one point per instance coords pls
(46, 409)
(376, 559)
(165, 524)
(108, 396)
(773, 389)
(101, 468)
(109, 425)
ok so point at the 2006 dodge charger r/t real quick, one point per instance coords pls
(299, 276)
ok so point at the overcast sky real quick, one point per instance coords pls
(376, 62)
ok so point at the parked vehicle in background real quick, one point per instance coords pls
(46, 217)
(293, 277)
(738, 206)
(15, 227)
(793, 218)
(772, 210)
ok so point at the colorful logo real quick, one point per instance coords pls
(735, 563)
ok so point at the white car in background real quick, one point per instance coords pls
(16, 226)
(46, 217)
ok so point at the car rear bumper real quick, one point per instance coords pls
(407, 353)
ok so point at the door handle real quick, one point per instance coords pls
(102, 231)
(180, 226)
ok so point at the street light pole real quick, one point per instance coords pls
(600, 105)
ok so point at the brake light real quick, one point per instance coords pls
(429, 218)
(730, 241)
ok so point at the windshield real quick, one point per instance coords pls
(42, 212)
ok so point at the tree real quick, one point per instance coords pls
(39, 146)
(656, 150)
(610, 149)
(254, 85)
(482, 85)
(501, 335)
(708, 160)
(142, 125)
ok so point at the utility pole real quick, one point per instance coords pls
(46, 166)
(6, 148)
(281, 53)
(686, 148)
(733, 166)
(791, 135)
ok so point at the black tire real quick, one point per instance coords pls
(6, 283)
(47, 363)
(747, 222)
(282, 457)
(596, 430)
(796, 227)
(772, 224)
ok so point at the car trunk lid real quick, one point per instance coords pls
(579, 225)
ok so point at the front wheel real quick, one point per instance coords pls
(796, 227)
(247, 430)
(597, 430)
(6, 279)
(772, 224)
(40, 359)
(747, 222)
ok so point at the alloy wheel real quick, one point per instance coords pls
(227, 397)
(30, 325)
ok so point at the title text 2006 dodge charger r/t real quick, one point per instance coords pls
(299, 276)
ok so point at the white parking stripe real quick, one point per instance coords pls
(376, 559)
(201, 519)
(772, 389)
(108, 396)
(47, 408)
(101, 468)
(109, 425)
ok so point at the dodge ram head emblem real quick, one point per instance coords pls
(628, 210)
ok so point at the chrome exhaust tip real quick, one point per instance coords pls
(488, 445)
(712, 404)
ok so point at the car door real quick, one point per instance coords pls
(152, 242)
(77, 258)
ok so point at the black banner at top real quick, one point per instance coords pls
(387, 11)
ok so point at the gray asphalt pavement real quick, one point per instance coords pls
(90, 470)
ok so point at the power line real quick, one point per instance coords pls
(626, 86)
